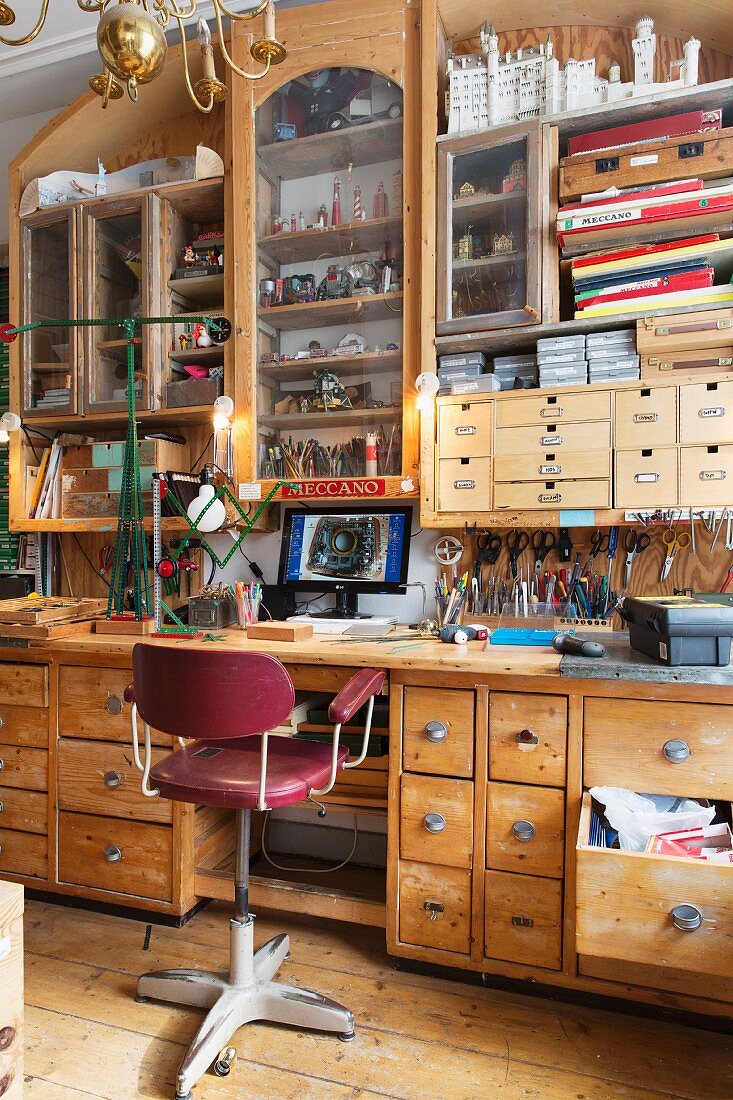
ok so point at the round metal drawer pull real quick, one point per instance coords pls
(2, 721)
(436, 732)
(112, 853)
(112, 780)
(676, 751)
(523, 830)
(434, 823)
(686, 917)
(113, 705)
(2, 807)
(2, 763)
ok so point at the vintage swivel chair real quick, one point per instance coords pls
(227, 701)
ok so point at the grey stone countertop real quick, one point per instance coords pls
(621, 662)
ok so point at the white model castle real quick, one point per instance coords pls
(487, 89)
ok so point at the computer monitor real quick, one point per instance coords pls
(353, 551)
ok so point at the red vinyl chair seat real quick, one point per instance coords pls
(227, 774)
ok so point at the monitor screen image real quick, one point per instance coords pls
(356, 547)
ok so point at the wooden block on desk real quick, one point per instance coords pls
(124, 626)
(274, 631)
(11, 989)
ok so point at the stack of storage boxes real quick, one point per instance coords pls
(465, 445)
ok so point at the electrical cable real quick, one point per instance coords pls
(206, 447)
(89, 561)
(316, 871)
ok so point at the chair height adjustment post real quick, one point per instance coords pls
(241, 872)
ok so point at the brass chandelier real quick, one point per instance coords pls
(132, 44)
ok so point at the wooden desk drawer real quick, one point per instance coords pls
(706, 413)
(126, 857)
(624, 903)
(560, 466)
(24, 725)
(525, 829)
(552, 494)
(527, 738)
(553, 408)
(646, 417)
(624, 746)
(661, 367)
(98, 778)
(523, 919)
(706, 476)
(435, 907)
(673, 332)
(25, 685)
(91, 704)
(464, 484)
(436, 820)
(24, 767)
(24, 810)
(23, 854)
(438, 731)
(554, 437)
(647, 478)
(465, 429)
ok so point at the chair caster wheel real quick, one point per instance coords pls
(287, 957)
(347, 1036)
(225, 1061)
(184, 1095)
(143, 1001)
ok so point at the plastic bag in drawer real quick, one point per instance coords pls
(639, 816)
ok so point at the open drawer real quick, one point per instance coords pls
(644, 908)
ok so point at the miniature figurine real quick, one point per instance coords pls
(465, 246)
(293, 226)
(381, 202)
(277, 225)
(301, 221)
(466, 190)
(336, 207)
(213, 258)
(183, 341)
(502, 244)
(201, 338)
(322, 216)
(101, 185)
(189, 256)
(319, 94)
(358, 212)
(329, 392)
(397, 191)
(516, 178)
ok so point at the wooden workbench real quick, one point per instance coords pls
(518, 742)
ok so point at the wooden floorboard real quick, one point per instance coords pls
(417, 1037)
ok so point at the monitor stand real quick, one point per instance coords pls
(347, 604)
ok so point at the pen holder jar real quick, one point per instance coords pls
(446, 613)
(248, 609)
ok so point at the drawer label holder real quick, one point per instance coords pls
(713, 475)
(646, 418)
(642, 479)
(466, 429)
(550, 440)
(464, 484)
(550, 469)
(552, 414)
(523, 922)
(712, 410)
(549, 498)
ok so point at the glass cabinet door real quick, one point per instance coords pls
(119, 274)
(49, 354)
(488, 264)
(330, 277)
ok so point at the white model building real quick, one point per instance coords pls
(488, 89)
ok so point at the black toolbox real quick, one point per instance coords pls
(679, 630)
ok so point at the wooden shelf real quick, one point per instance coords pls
(338, 240)
(477, 201)
(195, 355)
(203, 290)
(392, 488)
(191, 414)
(370, 307)
(297, 370)
(488, 261)
(95, 523)
(371, 143)
(467, 212)
(303, 422)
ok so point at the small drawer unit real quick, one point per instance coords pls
(100, 778)
(438, 736)
(667, 912)
(525, 829)
(125, 857)
(24, 725)
(523, 919)
(527, 738)
(23, 853)
(464, 485)
(23, 685)
(647, 478)
(675, 332)
(23, 767)
(706, 476)
(558, 465)
(435, 907)
(667, 748)
(92, 705)
(24, 810)
(673, 365)
(465, 428)
(706, 413)
(436, 820)
(555, 436)
(553, 409)
(645, 417)
(552, 494)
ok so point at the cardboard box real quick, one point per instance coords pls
(713, 843)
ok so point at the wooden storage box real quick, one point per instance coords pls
(92, 475)
(464, 484)
(560, 466)
(438, 751)
(706, 412)
(552, 494)
(435, 906)
(646, 478)
(709, 361)
(554, 408)
(527, 738)
(11, 990)
(193, 391)
(464, 429)
(523, 919)
(706, 476)
(700, 156)
(645, 417)
(675, 332)
(552, 438)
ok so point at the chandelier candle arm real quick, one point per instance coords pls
(7, 18)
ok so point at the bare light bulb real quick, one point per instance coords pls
(214, 516)
(427, 386)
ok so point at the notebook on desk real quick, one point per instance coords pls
(377, 626)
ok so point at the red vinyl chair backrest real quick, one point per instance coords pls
(213, 693)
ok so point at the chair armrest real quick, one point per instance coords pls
(354, 694)
(129, 694)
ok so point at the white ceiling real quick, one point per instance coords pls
(54, 69)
